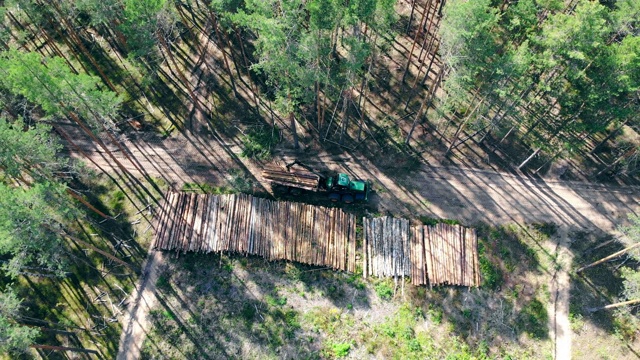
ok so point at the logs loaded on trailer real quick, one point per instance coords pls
(338, 186)
(441, 254)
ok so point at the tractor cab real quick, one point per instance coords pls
(338, 182)
(340, 187)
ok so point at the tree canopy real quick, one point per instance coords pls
(31, 215)
(578, 67)
(14, 337)
(50, 84)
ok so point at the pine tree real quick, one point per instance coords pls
(14, 337)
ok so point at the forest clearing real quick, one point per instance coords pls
(515, 118)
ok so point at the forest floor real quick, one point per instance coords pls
(203, 147)
(471, 196)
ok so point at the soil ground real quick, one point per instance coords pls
(469, 195)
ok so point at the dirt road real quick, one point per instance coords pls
(135, 325)
(468, 195)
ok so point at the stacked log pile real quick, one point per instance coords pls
(248, 225)
(441, 254)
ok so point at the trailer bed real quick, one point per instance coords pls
(302, 179)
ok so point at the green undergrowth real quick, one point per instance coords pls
(434, 221)
(258, 142)
(204, 188)
(211, 304)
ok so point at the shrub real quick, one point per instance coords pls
(491, 274)
(259, 142)
(534, 318)
(341, 349)
(384, 291)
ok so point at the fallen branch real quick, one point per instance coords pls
(605, 259)
(64, 348)
(612, 306)
(109, 256)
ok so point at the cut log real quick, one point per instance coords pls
(613, 306)
(607, 258)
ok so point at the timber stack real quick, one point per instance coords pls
(440, 254)
(249, 225)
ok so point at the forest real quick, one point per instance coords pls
(107, 105)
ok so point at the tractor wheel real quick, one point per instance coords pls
(347, 198)
(334, 197)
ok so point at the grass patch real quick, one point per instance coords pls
(206, 189)
(163, 283)
(116, 202)
(490, 272)
(341, 349)
(276, 301)
(384, 289)
(533, 319)
(433, 221)
(259, 142)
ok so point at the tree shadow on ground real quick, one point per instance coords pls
(508, 309)
(242, 306)
(601, 285)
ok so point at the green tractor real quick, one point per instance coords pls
(339, 186)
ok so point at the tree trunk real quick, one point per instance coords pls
(66, 41)
(441, 7)
(413, 8)
(87, 204)
(464, 122)
(426, 101)
(415, 39)
(102, 252)
(613, 306)
(247, 69)
(318, 105)
(233, 57)
(433, 57)
(428, 31)
(426, 74)
(224, 54)
(64, 348)
(74, 35)
(242, 52)
(470, 137)
(616, 162)
(183, 17)
(79, 149)
(294, 132)
(185, 82)
(608, 137)
(529, 158)
(363, 89)
(345, 116)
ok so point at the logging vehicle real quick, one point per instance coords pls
(337, 186)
